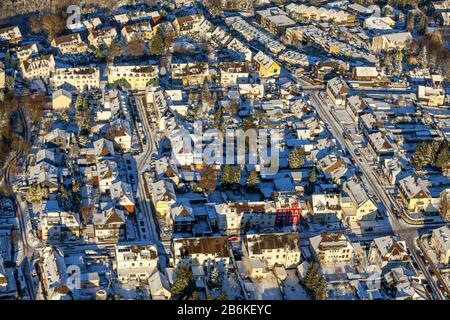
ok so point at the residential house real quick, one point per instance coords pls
(233, 73)
(332, 248)
(78, 77)
(108, 225)
(239, 217)
(191, 73)
(275, 249)
(120, 132)
(392, 41)
(440, 242)
(70, 44)
(430, 96)
(325, 208)
(53, 274)
(357, 206)
(121, 193)
(189, 24)
(12, 35)
(444, 208)
(265, 66)
(159, 286)
(386, 249)
(163, 196)
(274, 19)
(56, 224)
(61, 99)
(38, 67)
(182, 217)
(201, 251)
(380, 145)
(138, 77)
(137, 31)
(414, 194)
(99, 37)
(135, 261)
(26, 52)
(337, 90)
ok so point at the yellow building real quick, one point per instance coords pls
(61, 99)
(163, 196)
(137, 76)
(265, 65)
(414, 194)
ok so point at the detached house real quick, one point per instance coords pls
(120, 132)
(357, 206)
(233, 73)
(25, 52)
(275, 249)
(99, 37)
(386, 249)
(392, 41)
(38, 67)
(188, 25)
(413, 192)
(138, 77)
(69, 44)
(61, 99)
(12, 35)
(337, 90)
(163, 196)
(135, 262)
(201, 251)
(440, 242)
(265, 66)
(108, 225)
(332, 247)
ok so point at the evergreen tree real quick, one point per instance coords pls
(296, 158)
(183, 280)
(253, 178)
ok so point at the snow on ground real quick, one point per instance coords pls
(267, 289)
(293, 290)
